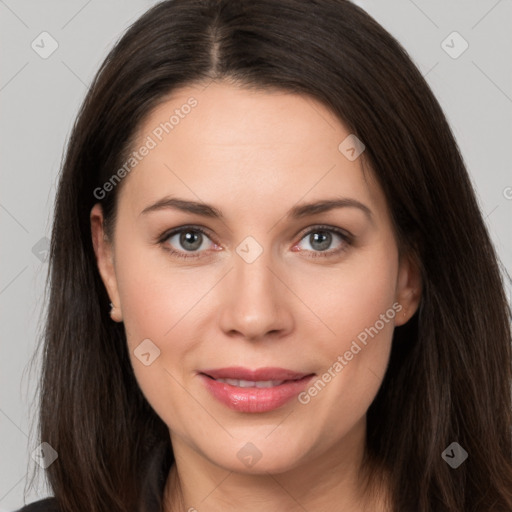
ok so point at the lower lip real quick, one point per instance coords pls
(255, 399)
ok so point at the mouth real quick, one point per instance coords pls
(253, 391)
(251, 383)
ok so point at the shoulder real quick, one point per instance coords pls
(45, 505)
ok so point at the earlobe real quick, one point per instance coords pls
(409, 288)
(103, 250)
(115, 313)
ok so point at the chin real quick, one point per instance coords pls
(257, 457)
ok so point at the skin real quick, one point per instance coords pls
(254, 155)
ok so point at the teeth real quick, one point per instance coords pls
(250, 383)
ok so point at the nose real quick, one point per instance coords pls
(255, 302)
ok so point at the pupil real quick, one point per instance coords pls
(191, 237)
(324, 240)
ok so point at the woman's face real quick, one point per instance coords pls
(257, 288)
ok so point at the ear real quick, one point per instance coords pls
(408, 289)
(104, 250)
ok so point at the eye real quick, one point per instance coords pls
(191, 241)
(186, 239)
(320, 238)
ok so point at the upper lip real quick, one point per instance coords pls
(259, 374)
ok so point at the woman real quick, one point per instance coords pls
(271, 284)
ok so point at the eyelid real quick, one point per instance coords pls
(171, 232)
(326, 227)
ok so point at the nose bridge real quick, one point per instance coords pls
(252, 276)
(254, 304)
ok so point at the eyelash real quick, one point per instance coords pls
(347, 241)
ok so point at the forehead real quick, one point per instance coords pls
(226, 144)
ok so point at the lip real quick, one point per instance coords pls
(238, 372)
(253, 399)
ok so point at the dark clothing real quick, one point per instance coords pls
(155, 477)
(46, 505)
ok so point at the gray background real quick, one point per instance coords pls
(39, 100)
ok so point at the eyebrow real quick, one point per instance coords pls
(297, 212)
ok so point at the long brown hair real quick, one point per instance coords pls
(450, 372)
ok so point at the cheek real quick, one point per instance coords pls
(165, 305)
(357, 303)
(351, 297)
(154, 298)
(158, 306)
